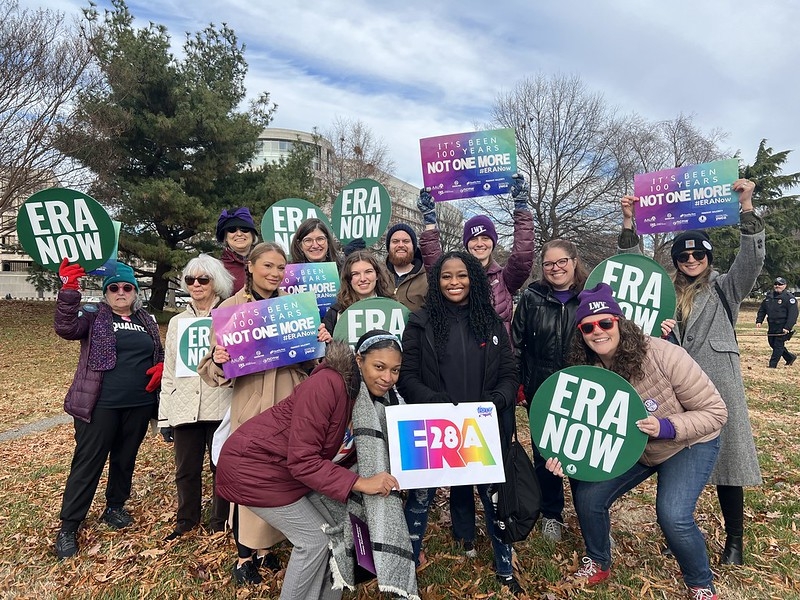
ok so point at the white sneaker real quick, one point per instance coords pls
(551, 529)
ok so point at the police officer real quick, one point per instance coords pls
(780, 308)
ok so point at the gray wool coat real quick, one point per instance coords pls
(709, 339)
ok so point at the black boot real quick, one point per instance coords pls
(733, 552)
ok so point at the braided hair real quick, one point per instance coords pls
(482, 316)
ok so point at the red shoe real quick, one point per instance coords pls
(698, 593)
(592, 573)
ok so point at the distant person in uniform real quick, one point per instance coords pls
(780, 309)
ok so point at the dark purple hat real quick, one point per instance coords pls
(688, 241)
(596, 301)
(479, 225)
(238, 217)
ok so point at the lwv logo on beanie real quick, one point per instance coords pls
(596, 307)
(477, 230)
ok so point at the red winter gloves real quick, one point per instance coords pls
(70, 275)
(155, 377)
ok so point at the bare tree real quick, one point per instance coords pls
(358, 153)
(43, 65)
(564, 149)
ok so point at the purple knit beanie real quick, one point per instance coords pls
(596, 301)
(479, 225)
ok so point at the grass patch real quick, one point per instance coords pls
(137, 563)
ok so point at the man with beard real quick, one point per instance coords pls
(405, 265)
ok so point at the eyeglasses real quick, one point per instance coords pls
(235, 229)
(604, 324)
(560, 263)
(202, 280)
(319, 241)
(778, 284)
(698, 255)
(114, 288)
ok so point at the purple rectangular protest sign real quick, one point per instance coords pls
(363, 544)
(690, 197)
(320, 278)
(269, 333)
(469, 165)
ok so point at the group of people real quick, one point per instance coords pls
(303, 440)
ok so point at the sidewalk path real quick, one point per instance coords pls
(42, 425)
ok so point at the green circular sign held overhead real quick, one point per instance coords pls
(362, 210)
(586, 417)
(282, 219)
(642, 287)
(59, 222)
(366, 315)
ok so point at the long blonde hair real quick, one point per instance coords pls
(686, 290)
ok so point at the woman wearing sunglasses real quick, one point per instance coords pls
(541, 331)
(191, 407)
(685, 416)
(112, 396)
(238, 234)
(708, 304)
(252, 395)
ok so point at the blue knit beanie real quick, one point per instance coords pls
(124, 274)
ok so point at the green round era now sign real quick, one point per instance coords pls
(362, 210)
(642, 287)
(194, 340)
(61, 223)
(371, 313)
(586, 417)
(281, 220)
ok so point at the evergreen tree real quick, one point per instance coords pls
(165, 137)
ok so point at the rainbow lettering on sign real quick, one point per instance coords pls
(436, 443)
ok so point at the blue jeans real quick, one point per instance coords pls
(681, 479)
(417, 509)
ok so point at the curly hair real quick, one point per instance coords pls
(306, 227)
(255, 253)
(628, 361)
(686, 289)
(384, 287)
(482, 316)
(581, 272)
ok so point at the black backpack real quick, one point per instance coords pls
(518, 500)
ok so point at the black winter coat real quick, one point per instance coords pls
(542, 332)
(419, 381)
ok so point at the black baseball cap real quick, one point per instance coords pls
(779, 281)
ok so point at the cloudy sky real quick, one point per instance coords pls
(416, 69)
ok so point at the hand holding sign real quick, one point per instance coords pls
(70, 275)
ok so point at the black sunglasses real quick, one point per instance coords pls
(114, 288)
(698, 255)
(604, 324)
(235, 229)
(202, 280)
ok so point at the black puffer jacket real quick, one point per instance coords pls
(420, 378)
(542, 331)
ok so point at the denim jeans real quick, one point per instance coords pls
(416, 512)
(681, 479)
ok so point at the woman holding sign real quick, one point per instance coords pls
(363, 276)
(112, 396)
(708, 306)
(480, 240)
(542, 332)
(290, 466)
(188, 405)
(252, 395)
(457, 350)
(685, 416)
